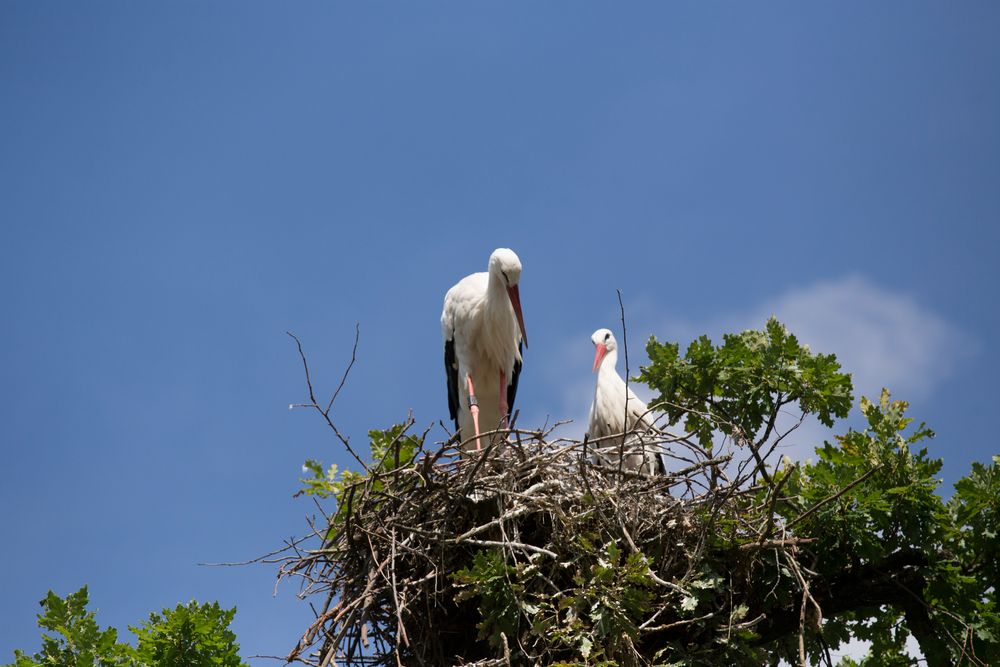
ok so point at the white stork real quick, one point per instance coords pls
(483, 330)
(607, 412)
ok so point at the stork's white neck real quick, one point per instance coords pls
(496, 293)
(608, 363)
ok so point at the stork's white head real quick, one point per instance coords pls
(605, 342)
(506, 267)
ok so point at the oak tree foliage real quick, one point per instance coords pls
(191, 635)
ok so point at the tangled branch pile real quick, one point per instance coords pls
(529, 553)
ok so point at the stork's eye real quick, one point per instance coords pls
(607, 336)
(505, 278)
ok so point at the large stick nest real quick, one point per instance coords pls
(529, 552)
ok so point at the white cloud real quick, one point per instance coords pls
(883, 338)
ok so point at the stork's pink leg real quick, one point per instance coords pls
(474, 409)
(504, 408)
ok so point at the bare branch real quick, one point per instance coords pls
(312, 395)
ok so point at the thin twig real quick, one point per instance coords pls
(621, 447)
(354, 356)
(312, 396)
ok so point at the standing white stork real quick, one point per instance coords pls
(607, 412)
(483, 330)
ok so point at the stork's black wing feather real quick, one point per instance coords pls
(512, 386)
(660, 468)
(451, 372)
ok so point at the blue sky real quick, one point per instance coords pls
(183, 182)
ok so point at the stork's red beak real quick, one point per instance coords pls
(601, 351)
(515, 300)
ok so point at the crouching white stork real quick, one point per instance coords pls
(608, 413)
(483, 330)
